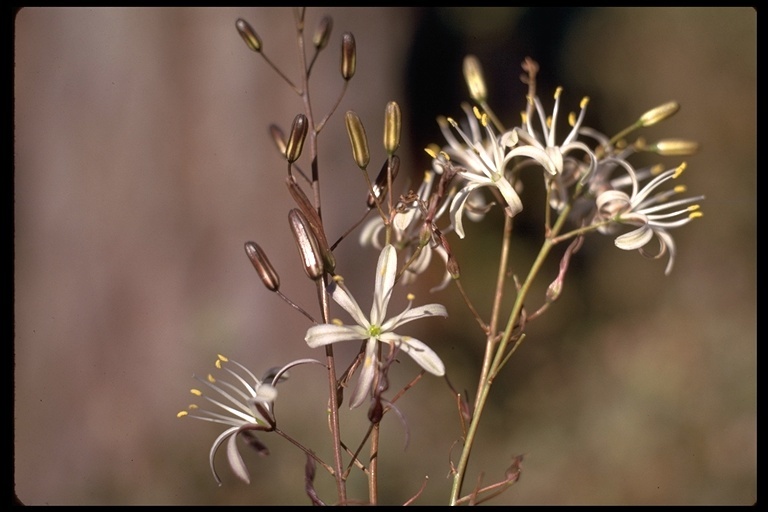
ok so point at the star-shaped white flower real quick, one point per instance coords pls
(653, 214)
(375, 328)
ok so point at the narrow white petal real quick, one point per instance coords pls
(236, 461)
(411, 314)
(385, 280)
(457, 208)
(514, 204)
(348, 302)
(367, 373)
(325, 334)
(634, 239)
(419, 352)
(215, 447)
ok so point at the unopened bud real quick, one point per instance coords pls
(249, 35)
(473, 75)
(674, 147)
(348, 56)
(296, 139)
(314, 221)
(451, 265)
(392, 127)
(658, 114)
(382, 180)
(358, 139)
(307, 244)
(279, 137)
(262, 265)
(323, 33)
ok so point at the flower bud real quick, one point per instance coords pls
(323, 33)
(262, 265)
(391, 127)
(674, 147)
(250, 36)
(296, 139)
(307, 244)
(314, 221)
(358, 139)
(658, 114)
(348, 56)
(473, 75)
(382, 180)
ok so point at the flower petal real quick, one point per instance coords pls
(634, 239)
(215, 447)
(325, 334)
(419, 352)
(236, 461)
(411, 314)
(344, 299)
(385, 280)
(367, 373)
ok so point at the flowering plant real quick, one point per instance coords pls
(591, 187)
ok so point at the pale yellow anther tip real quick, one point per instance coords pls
(181, 414)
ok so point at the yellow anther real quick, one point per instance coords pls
(694, 207)
(217, 364)
(410, 296)
(584, 102)
(695, 215)
(680, 170)
(427, 177)
(572, 119)
(211, 379)
(484, 120)
(680, 189)
(432, 150)
(192, 407)
(558, 92)
(656, 169)
(524, 117)
(336, 321)
(338, 279)
(196, 392)
(181, 414)
(453, 123)
(549, 122)
(476, 112)
(222, 358)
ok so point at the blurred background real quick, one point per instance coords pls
(143, 163)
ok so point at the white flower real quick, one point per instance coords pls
(484, 162)
(375, 328)
(247, 406)
(654, 215)
(545, 150)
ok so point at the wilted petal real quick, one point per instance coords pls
(634, 239)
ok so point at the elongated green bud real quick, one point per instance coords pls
(307, 244)
(323, 33)
(296, 139)
(473, 75)
(382, 180)
(658, 114)
(249, 35)
(262, 265)
(358, 139)
(348, 56)
(392, 127)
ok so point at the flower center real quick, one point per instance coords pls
(374, 331)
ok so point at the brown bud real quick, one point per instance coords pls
(658, 114)
(249, 35)
(296, 139)
(358, 139)
(314, 221)
(348, 56)
(307, 244)
(382, 180)
(262, 265)
(323, 33)
(473, 75)
(391, 127)
(279, 137)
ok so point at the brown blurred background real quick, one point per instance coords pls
(143, 163)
